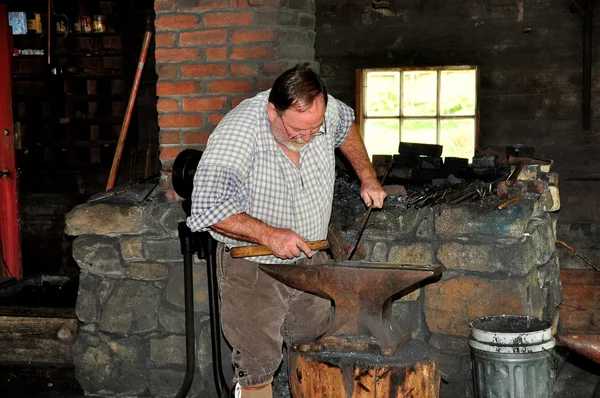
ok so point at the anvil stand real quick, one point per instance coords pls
(355, 356)
(203, 244)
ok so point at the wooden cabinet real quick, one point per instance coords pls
(69, 96)
(68, 104)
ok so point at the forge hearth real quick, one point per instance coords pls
(130, 303)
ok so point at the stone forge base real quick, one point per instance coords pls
(130, 301)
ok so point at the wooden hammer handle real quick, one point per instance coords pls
(260, 250)
(515, 175)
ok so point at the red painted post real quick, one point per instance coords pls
(10, 233)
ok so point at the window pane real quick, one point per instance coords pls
(382, 136)
(383, 93)
(457, 92)
(419, 93)
(421, 131)
(458, 137)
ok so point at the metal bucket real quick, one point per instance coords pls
(512, 356)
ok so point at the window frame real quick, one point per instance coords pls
(361, 87)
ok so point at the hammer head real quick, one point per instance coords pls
(543, 163)
(336, 244)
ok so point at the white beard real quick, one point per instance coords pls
(297, 145)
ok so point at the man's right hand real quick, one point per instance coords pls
(286, 244)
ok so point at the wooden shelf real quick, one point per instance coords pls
(71, 121)
(93, 97)
(87, 54)
(81, 34)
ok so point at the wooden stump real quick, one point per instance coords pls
(314, 375)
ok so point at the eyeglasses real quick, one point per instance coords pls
(315, 134)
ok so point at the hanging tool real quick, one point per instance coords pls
(132, 96)
(363, 224)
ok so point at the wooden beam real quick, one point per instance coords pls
(36, 339)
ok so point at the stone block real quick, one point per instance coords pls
(395, 190)
(548, 281)
(165, 382)
(516, 259)
(148, 271)
(409, 317)
(174, 289)
(98, 255)
(425, 228)
(379, 252)
(104, 219)
(467, 257)
(168, 351)
(451, 304)
(171, 320)
(543, 236)
(411, 294)
(411, 253)
(163, 250)
(110, 366)
(379, 221)
(87, 306)
(407, 221)
(131, 308)
(470, 220)
(132, 248)
(166, 216)
(535, 248)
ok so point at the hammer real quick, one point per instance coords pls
(520, 162)
(334, 242)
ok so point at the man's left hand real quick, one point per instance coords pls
(372, 192)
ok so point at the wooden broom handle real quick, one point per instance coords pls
(260, 250)
(112, 177)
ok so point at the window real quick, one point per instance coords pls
(425, 105)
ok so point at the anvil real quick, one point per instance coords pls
(362, 294)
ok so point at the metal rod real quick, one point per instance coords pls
(366, 217)
(185, 237)
(215, 322)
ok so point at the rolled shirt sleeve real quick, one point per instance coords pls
(218, 194)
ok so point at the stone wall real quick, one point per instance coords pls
(131, 339)
(130, 304)
(496, 262)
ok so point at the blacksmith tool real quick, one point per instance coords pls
(204, 245)
(519, 162)
(512, 179)
(260, 250)
(512, 200)
(362, 295)
(544, 164)
(363, 224)
(334, 243)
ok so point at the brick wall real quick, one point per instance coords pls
(212, 54)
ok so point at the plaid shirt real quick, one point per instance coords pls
(243, 170)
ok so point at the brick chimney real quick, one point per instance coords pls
(212, 54)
